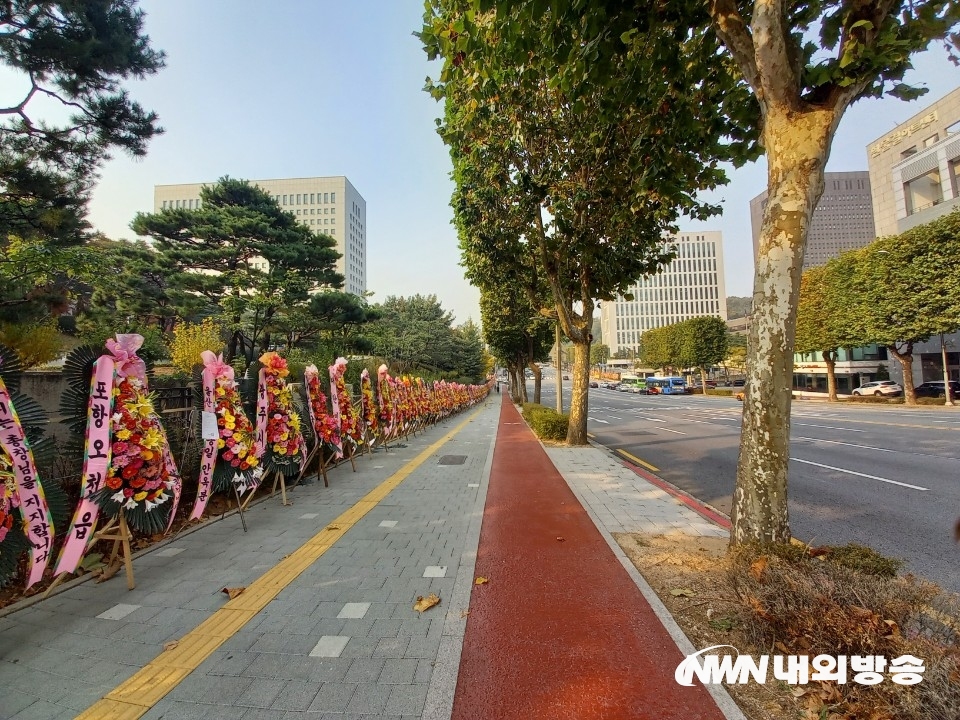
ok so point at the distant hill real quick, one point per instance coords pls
(738, 307)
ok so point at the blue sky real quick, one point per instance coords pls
(303, 88)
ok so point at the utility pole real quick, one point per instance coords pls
(559, 371)
(948, 396)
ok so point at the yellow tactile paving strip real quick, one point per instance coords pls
(134, 697)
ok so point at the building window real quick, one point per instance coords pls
(163, 205)
(326, 197)
(923, 192)
(908, 152)
(311, 198)
(333, 197)
(930, 140)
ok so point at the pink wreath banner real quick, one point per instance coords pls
(96, 461)
(37, 521)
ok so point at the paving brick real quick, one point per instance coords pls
(364, 670)
(369, 698)
(332, 697)
(406, 700)
(261, 693)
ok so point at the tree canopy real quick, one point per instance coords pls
(65, 112)
(572, 167)
(416, 335)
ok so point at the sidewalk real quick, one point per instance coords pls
(325, 629)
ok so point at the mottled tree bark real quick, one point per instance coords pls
(797, 141)
(905, 358)
(577, 430)
(830, 358)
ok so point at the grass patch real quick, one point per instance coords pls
(850, 601)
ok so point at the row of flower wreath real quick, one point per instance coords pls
(127, 463)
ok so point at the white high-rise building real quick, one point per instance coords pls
(328, 205)
(690, 286)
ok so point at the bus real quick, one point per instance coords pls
(673, 385)
(637, 384)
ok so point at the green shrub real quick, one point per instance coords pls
(546, 422)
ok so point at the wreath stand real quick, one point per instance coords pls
(278, 477)
(240, 506)
(318, 447)
(118, 531)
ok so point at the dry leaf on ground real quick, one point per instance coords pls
(758, 566)
(170, 645)
(425, 603)
(683, 592)
(481, 581)
(233, 592)
(333, 527)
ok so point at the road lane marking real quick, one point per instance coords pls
(828, 427)
(638, 461)
(837, 442)
(135, 696)
(651, 419)
(859, 474)
(596, 420)
(677, 432)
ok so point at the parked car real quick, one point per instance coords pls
(935, 389)
(566, 377)
(594, 384)
(879, 387)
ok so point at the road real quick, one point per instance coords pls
(887, 477)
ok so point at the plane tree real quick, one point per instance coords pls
(579, 163)
(909, 287)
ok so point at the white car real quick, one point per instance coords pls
(879, 388)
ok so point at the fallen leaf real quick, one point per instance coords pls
(333, 527)
(481, 581)
(464, 613)
(683, 592)
(233, 592)
(560, 539)
(170, 645)
(799, 692)
(894, 628)
(758, 566)
(425, 603)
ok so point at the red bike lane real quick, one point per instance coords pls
(560, 631)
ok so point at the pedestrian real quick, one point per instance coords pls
(498, 387)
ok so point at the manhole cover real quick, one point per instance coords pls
(452, 460)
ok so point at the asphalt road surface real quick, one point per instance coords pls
(887, 477)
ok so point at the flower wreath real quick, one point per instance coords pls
(284, 449)
(326, 428)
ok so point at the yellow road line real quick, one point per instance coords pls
(134, 697)
(638, 461)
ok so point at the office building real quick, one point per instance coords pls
(914, 168)
(843, 219)
(328, 205)
(690, 286)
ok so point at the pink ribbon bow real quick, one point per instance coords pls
(216, 365)
(125, 359)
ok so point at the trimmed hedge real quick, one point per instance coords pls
(546, 422)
